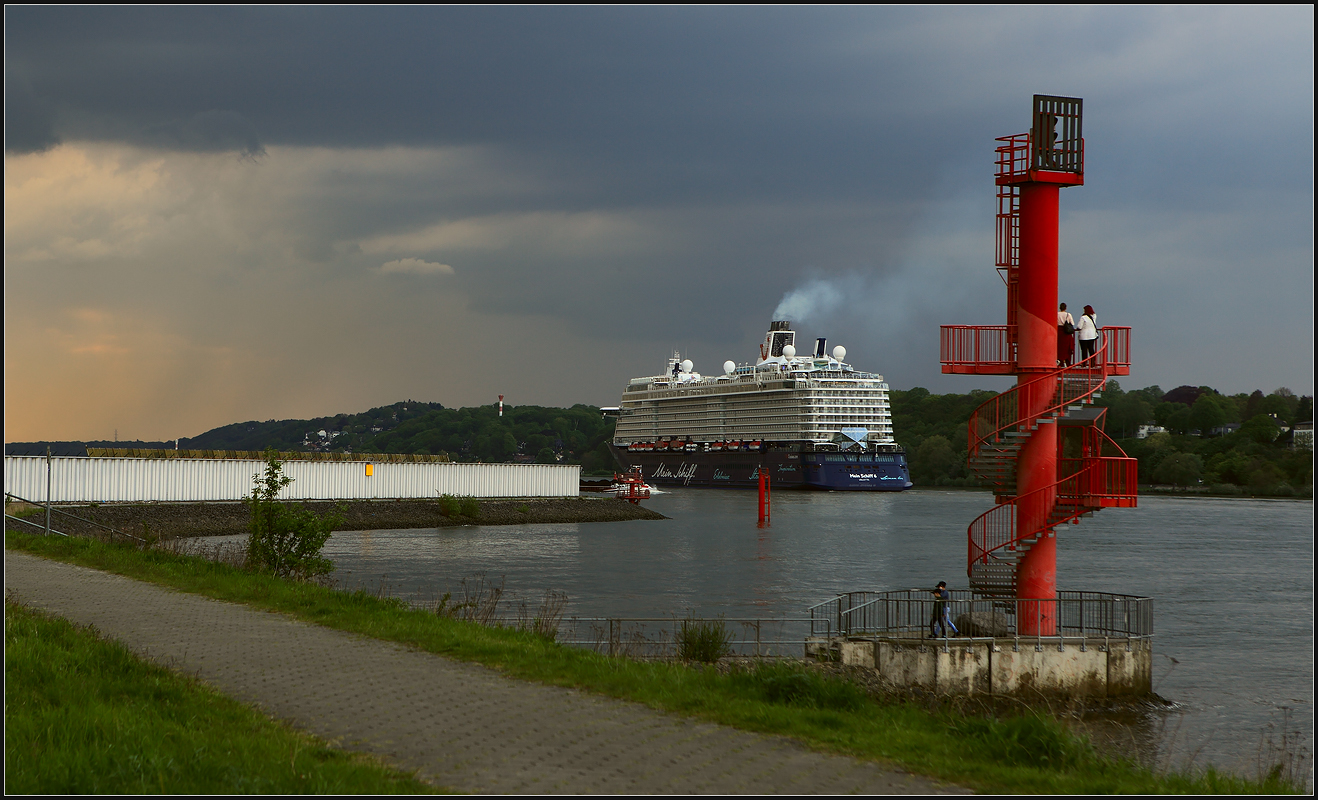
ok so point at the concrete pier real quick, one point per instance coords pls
(1101, 645)
(1082, 668)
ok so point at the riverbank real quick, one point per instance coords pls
(84, 715)
(186, 520)
(1025, 753)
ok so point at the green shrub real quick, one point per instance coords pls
(703, 640)
(285, 540)
(451, 506)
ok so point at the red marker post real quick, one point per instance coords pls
(765, 497)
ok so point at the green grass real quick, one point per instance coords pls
(85, 716)
(1028, 753)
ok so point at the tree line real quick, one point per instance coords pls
(1201, 446)
(546, 435)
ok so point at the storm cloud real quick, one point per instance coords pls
(230, 213)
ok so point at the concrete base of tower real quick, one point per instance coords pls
(1092, 668)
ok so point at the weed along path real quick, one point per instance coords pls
(458, 725)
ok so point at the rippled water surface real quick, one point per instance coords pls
(1232, 580)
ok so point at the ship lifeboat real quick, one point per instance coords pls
(631, 486)
(755, 445)
(717, 446)
(677, 445)
(734, 445)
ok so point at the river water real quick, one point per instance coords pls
(1232, 582)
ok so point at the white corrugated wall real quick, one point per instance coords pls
(136, 480)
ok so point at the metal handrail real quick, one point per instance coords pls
(74, 516)
(977, 345)
(1084, 487)
(33, 524)
(1085, 615)
(1091, 376)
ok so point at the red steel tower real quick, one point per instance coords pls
(1040, 446)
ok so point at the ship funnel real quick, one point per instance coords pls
(821, 345)
(780, 335)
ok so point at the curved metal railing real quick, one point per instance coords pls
(998, 428)
(1068, 385)
(1095, 483)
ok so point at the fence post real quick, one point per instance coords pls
(47, 490)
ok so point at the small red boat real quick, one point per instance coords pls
(631, 486)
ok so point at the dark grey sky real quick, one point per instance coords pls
(235, 213)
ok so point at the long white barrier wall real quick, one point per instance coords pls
(136, 480)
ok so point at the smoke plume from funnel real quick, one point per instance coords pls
(814, 298)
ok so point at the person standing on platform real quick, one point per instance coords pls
(1065, 337)
(941, 621)
(1087, 333)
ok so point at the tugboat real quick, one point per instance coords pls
(812, 421)
(631, 486)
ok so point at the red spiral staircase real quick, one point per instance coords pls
(1092, 470)
(1037, 490)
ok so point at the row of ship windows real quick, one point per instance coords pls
(701, 408)
(772, 409)
(801, 419)
(706, 395)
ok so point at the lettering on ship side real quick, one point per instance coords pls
(684, 473)
(720, 475)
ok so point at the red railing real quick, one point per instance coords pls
(1001, 413)
(1009, 227)
(1088, 485)
(991, 350)
(1116, 343)
(983, 348)
(1014, 156)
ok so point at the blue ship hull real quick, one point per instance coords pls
(866, 472)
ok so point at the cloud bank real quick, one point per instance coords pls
(197, 200)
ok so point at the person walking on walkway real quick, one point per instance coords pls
(1087, 333)
(1065, 337)
(941, 621)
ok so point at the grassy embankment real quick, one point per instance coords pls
(85, 716)
(1028, 753)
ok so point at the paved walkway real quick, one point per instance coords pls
(458, 725)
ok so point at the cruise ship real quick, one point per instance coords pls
(811, 420)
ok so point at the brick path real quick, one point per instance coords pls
(458, 725)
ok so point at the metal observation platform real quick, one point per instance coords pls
(1100, 646)
(1042, 448)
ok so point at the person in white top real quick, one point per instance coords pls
(1065, 337)
(1087, 333)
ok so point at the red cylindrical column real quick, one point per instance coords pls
(1036, 310)
(1036, 465)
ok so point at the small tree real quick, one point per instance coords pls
(1179, 469)
(285, 540)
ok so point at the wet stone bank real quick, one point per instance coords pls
(173, 520)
